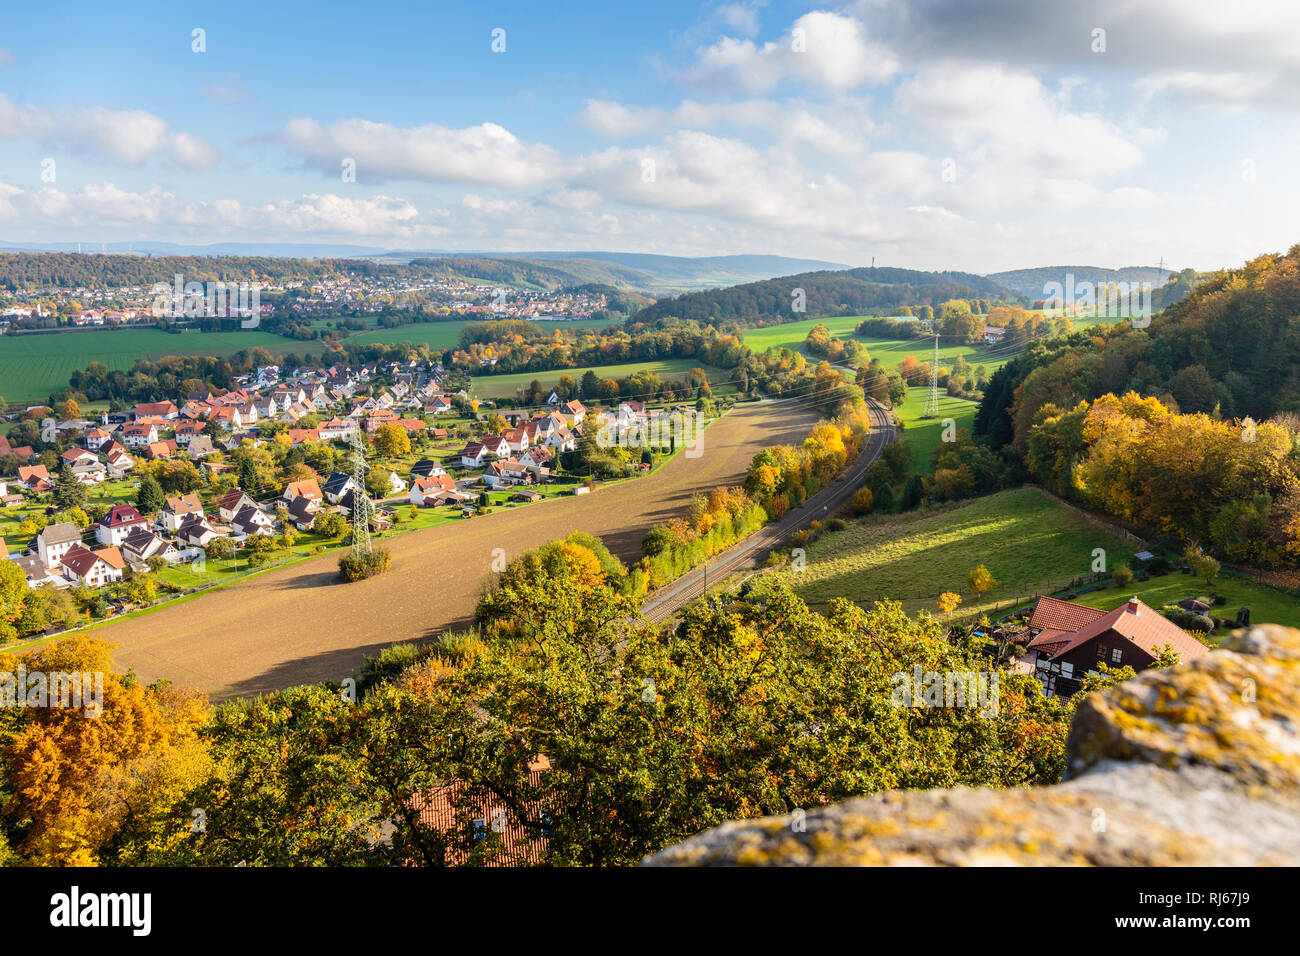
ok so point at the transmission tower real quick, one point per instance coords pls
(360, 500)
(932, 404)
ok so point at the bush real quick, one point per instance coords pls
(1122, 576)
(862, 501)
(355, 567)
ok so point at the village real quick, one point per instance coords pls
(128, 507)
(44, 307)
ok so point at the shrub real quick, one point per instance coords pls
(355, 567)
(1122, 576)
(862, 501)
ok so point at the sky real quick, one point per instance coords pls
(933, 134)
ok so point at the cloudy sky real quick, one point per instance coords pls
(924, 133)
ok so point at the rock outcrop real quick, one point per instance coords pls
(1195, 765)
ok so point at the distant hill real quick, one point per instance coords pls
(845, 292)
(1029, 282)
(643, 272)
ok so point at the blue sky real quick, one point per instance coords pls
(926, 133)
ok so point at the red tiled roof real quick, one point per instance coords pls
(1148, 629)
(1054, 614)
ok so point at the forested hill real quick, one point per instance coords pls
(66, 269)
(1232, 345)
(1030, 282)
(847, 292)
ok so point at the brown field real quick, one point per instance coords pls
(298, 625)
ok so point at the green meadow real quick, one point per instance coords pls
(503, 386)
(33, 366)
(924, 434)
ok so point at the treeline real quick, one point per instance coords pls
(848, 292)
(1232, 488)
(21, 270)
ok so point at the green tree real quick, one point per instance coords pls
(69, 492)
(150, 497)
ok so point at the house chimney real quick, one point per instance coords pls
(1133, 604)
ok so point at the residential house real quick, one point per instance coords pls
(302, 512)
(141, 545)
(575, 411)
(176, 511)
(424, 489)
(251, 520)
(200, 446)
(93, 568)
(120, 521)
(37, 573)
(34, 478)
(119, 463)
(232, 503)
(308, 488)
(426, 468)
(96, 438)
(336, 429)
(160, 449)
(164, 409)
(188, 431)
(54, 542)
(1067, 641)
(473, 455)
(136, 435)
(195, 532)
(338, 485)
(516, 439)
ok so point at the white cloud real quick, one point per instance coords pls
(825, 50)
(486, 154)
(124, 136)
(1008, 116)
(838, 129)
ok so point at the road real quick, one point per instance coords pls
(298, 624)
(671, 598)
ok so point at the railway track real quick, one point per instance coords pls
(670, 599)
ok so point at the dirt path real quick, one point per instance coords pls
(298, 625)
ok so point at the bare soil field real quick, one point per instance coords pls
(299, 625)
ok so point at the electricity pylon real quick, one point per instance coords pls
(360, 500)
(932, 403)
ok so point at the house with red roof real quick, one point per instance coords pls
(93, 568)
(164, 409)
(117, 525)
(1067, 641)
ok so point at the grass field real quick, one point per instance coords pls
(32, 366)
(891, 352)
(1028, 541)
(446, 335)
(923, 434)
(503, 386)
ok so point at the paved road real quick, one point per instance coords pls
(670, 599)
